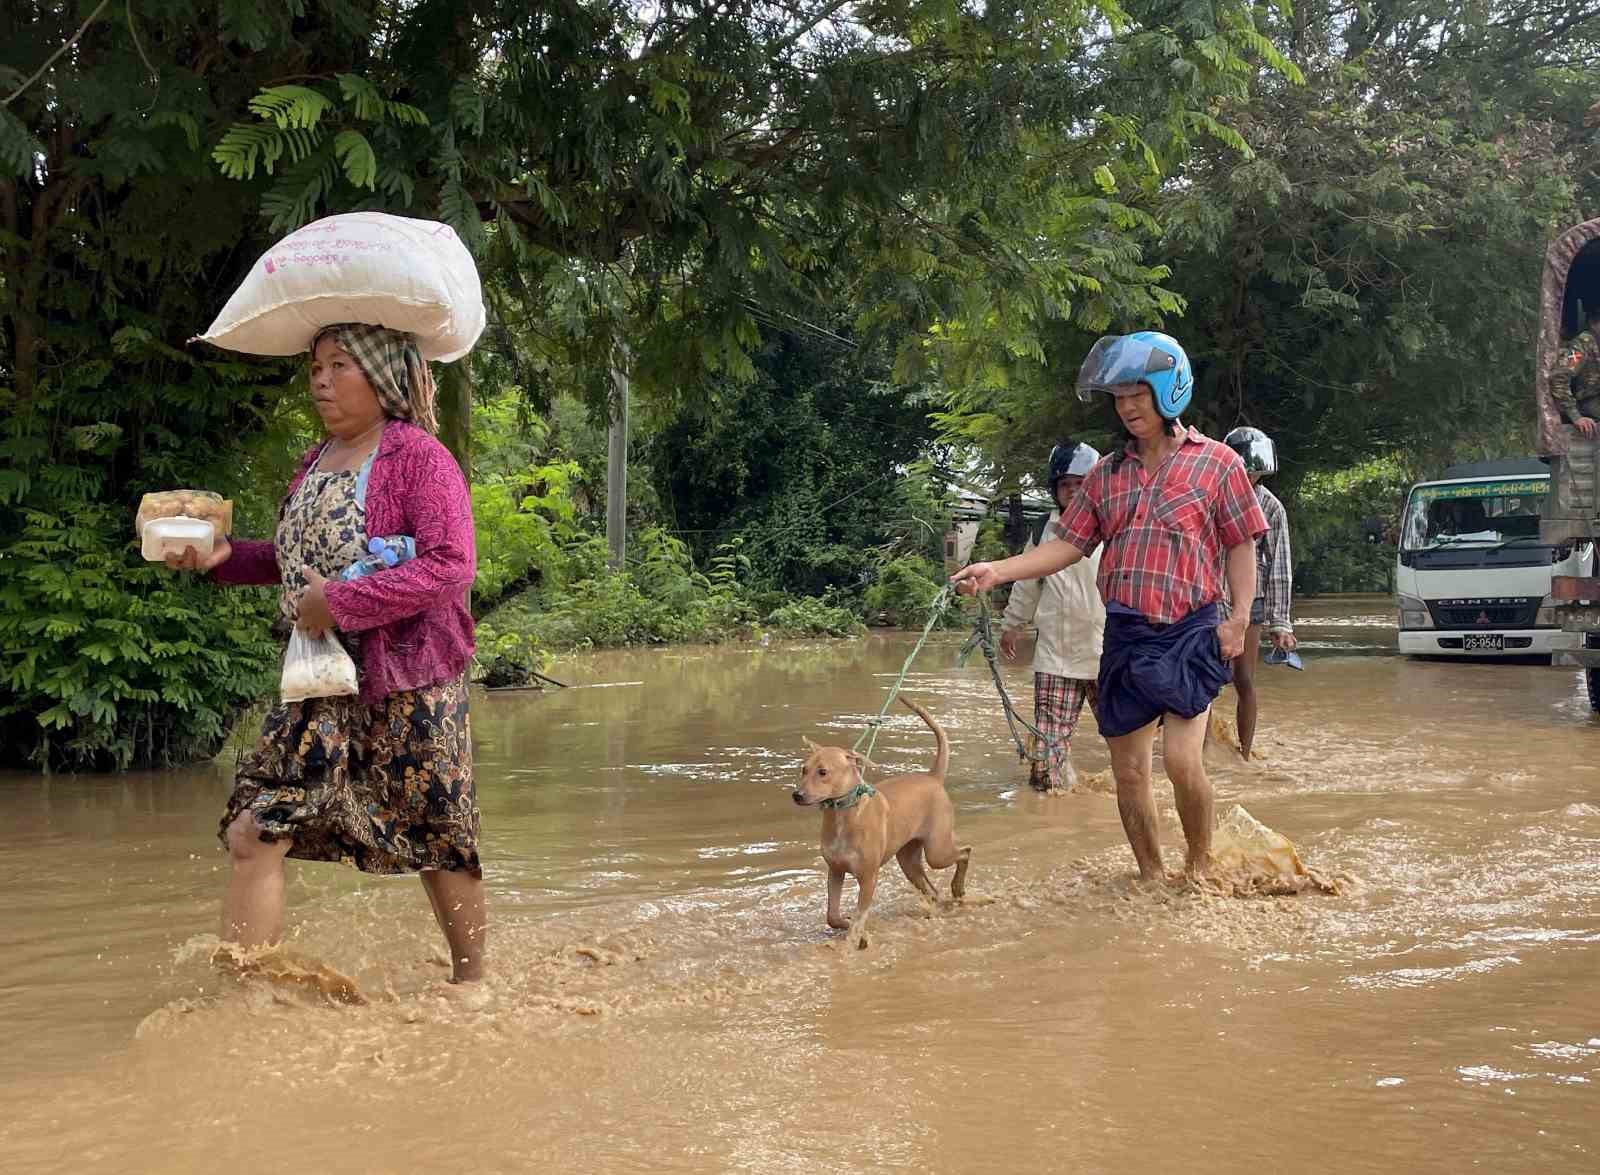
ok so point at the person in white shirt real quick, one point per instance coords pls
(1071, 619)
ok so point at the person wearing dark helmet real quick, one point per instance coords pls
(1071, 620)
(1270, 609)
(1176, 514)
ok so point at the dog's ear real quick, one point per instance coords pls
(862, 763)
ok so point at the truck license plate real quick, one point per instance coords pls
(1484, 642)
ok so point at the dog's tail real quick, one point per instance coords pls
(941, 759)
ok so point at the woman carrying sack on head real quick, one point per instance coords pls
(381, 780)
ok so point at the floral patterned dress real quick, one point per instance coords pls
(386, 788)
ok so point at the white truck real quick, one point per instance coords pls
(1472, 575)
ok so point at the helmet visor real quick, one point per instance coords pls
(1120, 359)
(1255, 447)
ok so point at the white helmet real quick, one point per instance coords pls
(1069, 459)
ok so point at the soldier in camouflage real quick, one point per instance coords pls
(1574, 380)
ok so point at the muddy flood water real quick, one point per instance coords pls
(665, 995)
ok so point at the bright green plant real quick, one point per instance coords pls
(507, 656)
(726, 577)
(1337, 524)
(523, 522)
(811, 616)
(118, 241)
(904, 592)
(106, 662)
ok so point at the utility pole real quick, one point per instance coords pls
(617, 461)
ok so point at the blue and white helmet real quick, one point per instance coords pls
(1147, 357)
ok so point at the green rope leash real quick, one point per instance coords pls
(935, 610)
(983, 638)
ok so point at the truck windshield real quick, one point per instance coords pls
(1473, 513)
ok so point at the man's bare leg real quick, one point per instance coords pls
(1244, 684)
(1136, 800)
(1181, 751)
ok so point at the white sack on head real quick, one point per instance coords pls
(372, 267)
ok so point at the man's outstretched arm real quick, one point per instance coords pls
(1045, 559)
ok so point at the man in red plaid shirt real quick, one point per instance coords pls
(1173, 509)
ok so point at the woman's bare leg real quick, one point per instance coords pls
(252, 905)
(457, 899)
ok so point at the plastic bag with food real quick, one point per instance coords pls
(316, 667)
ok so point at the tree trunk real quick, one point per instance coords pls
(617, 464)
(455, 413)
(1016, 524)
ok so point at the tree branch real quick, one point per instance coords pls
(51, 60)
(826, 13)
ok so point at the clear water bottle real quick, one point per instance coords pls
(382, 554)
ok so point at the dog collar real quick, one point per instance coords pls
(851, 798)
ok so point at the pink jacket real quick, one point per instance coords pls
(414, 619)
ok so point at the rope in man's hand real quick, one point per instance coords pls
(935, 611)
(982, 638)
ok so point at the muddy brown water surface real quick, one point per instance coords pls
(666, 997)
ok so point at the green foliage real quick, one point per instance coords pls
(1336, 524)
(1368, 279)
(105, 662)
(294, 128)
(804, 465)
(904, 591)
(676, 181)
(661, 598)
(813, 616)
(1360, 273)
(611, 611)
(17, 144)
(524, 520)
(117, 238)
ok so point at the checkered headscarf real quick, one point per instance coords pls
(393, 366)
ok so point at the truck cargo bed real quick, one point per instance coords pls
(1572, 508)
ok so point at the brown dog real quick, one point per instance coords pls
(908, 817)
